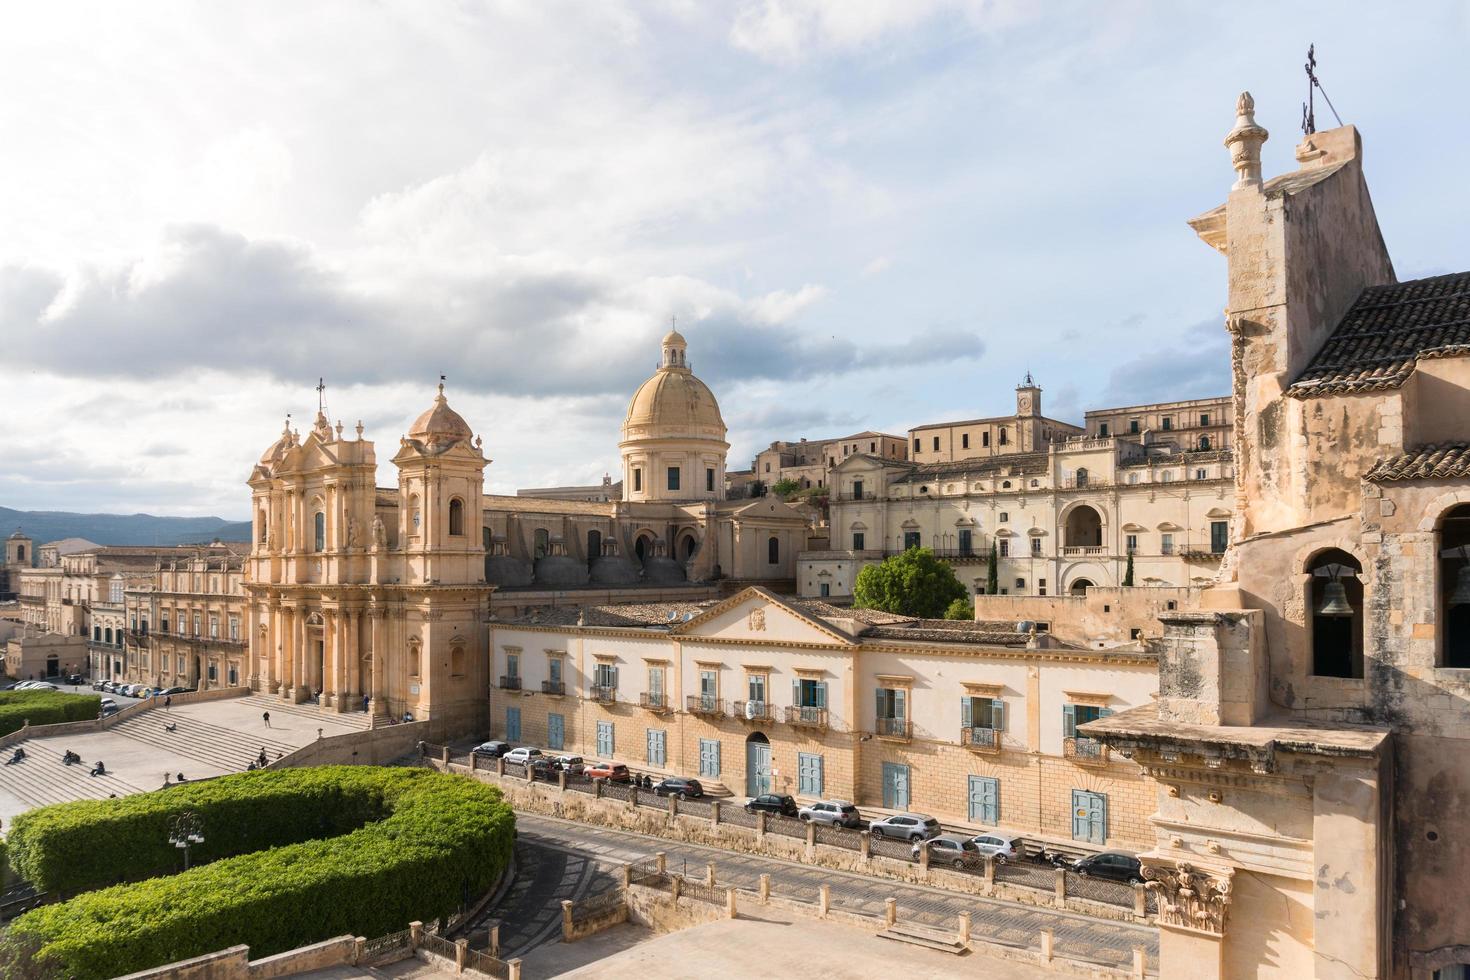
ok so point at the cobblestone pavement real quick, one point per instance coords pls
(590, 855)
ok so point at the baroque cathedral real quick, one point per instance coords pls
(378, 599)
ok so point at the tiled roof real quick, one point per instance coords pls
(1387, 330)
(632, 614)
(1021, 463)
(1426, 463)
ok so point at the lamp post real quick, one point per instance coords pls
(185, 830)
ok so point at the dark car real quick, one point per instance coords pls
(543, 768)
(493, 749)
(773, 803)
(1117, 865)
(74, 679)
(684, 789)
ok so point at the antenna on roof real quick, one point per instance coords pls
(1314, 85)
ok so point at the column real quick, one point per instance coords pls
(380, 662)
(286, 638)
(299, 654)
(331, 649)
(352, 691)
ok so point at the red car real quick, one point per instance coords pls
(614, 772)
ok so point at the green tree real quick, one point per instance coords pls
(785, 488)
(1128, 573)
(914, 583)
(960, 609)
(992, 576)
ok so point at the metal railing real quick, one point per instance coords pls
(509, 683)
(1080, 748)
(753, 710)
(864, 495)
(604, 693)
(385, 944)
(704, 704)
(893, 727)
(654, 701)
(976, 737)
(805, 716)
(553, 687)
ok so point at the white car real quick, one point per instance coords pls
(522, 755)
(837, 813)
(1002, 847)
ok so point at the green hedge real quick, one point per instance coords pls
(424, 842)
(45, 708)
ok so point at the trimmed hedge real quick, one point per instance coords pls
(45, 708)
(424, 842)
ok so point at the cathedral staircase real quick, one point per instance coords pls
(42, 779)
(223, 748)
(336, 724)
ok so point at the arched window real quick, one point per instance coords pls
(542, 543)
(773, 550)
(1004, 438)
(1204, 442)
(456, 661)
(20, 552)
(456, 517)
(262, 529)
(97, 634)
(107, 636)
(1082, 476)
(1454, 586)
(319, 537)
(1084, 528)
(594, 545)
(1335, 601)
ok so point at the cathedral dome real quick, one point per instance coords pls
(673, 441)
(673, 403)
(440, 425)
(279, 448)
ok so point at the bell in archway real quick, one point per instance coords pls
(1461, 595)
(1335, 600)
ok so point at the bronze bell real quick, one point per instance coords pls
(1335, 600)
(1461, 595)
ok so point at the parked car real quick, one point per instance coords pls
(494, 749)
(956, 850)
(773, 803)
(96, 685)
(684, 789)
(905, 826)
(572, 765)
(109, 707)
(838, 813)
(74, 679)
(168, 691)
(543, 767)
(42, 686)
(1003, 847)
(522, 755)
(613, 772)
(1117, 865)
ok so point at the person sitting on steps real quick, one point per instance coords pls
(70, 758)
(171, 727)
(98, 770)
(18, 756)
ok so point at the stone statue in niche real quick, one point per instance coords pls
(380, 533)
(352, 532)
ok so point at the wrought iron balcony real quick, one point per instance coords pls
(509, 683)
(553, 687)
(893, 727)
(804, 716)
(658, 702)
(753, 710)
(704, 704)
(1085, 751)
(605, 693)
(980, 739)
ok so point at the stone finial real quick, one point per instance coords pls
(1244, 143)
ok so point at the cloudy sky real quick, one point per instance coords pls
(863, 214)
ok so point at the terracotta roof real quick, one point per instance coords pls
(1021, 463)
(1426, 463)
(1387, 331)
(627, 614)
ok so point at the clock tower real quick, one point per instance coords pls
(1028, 398)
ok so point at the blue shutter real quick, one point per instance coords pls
(796, 692)
(555, 731)
(967, 713)
(822, 695)
(878, 711)
(997, 714)
(1069, 721)
(512, 724)
(709, 757)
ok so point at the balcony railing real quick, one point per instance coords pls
(553, 687)
(805, 716)
(1092, 550)
(865, 495)
(1197, 552)
(893, 727)
(605, 693)
(1085, 751)
(961, 554)
(509, 683)
(654, 701)
(753, 710)
(980, 739)
(704, 704)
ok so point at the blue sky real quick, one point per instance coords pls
(864, 215)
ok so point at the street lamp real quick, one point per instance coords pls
(185, 830)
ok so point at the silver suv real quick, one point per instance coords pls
(952, 849)
(905, 826)
(837, 813)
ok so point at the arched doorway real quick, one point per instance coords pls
(688, 544)
(757, 764)
(1084, 528)
(594, 545)
(1080, 586)
(643, 547)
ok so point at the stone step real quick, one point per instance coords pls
(276, 706)
(42, 779)
(928, 940)
(194, 739)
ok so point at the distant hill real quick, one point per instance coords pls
(139, 529)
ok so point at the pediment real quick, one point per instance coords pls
(758, 616)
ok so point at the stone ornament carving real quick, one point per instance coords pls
(757, 620)
(1189, 897)
(380, 533)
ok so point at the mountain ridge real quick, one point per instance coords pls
(120, 529)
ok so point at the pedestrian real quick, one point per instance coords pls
(261, 759)
(168, 701)
(266, 716)
(179, 778)
(366, 699)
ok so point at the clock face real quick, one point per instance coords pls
(1025, 402)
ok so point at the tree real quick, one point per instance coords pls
(992, 577)
(960, 609)
(1128, 573)
(785, 488)
(914, 583)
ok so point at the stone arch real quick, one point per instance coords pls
(1080, 586)
(1334, 582)
(594, 544)
(644, 543)
(1083, 526)
(688, 544)
(456, 516)
(540, 543)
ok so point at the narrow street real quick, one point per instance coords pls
(560, 859)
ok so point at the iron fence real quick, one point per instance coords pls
(641, 871)
(616, 791)
(578, 783)
(650, 799)
(839, 836)
(704, 893)
(703, 809)
(898, 850)
(438, 944)
(1099, 890)
(387, 944)
(785, 826)
(1027, 874)
(736, 816)
(515, 769)
(487, 964)
(586, 908)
